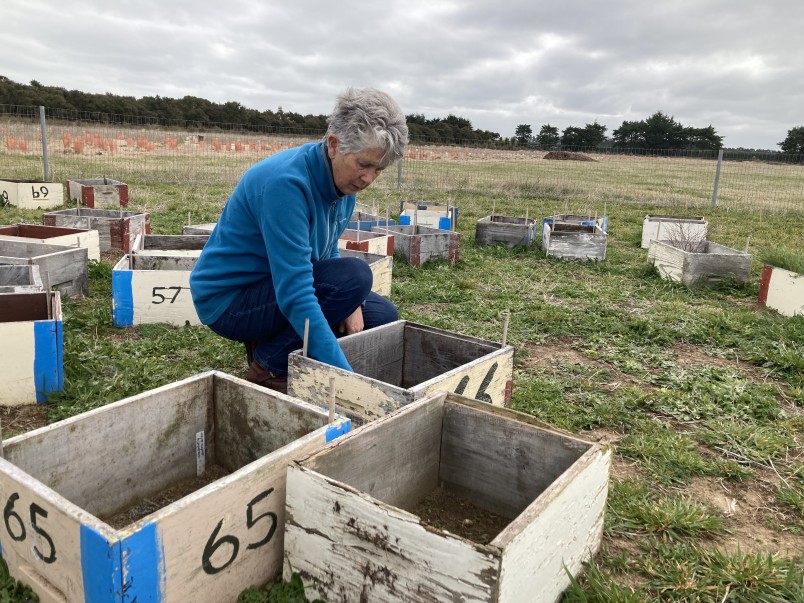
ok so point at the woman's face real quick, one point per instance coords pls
(353, 172)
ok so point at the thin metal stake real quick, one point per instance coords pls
(306, 336)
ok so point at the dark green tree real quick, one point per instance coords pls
(523, 134)
(793, 144)
(548, 137)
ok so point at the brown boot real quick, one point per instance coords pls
(257, 374)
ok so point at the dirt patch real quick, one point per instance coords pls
(567, 156)
(151, 504)
(446, 510)
(21, 419)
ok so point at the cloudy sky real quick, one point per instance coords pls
(737, 65)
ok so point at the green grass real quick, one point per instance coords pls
(691, 386)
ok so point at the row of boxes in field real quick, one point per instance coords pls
(251, 483)
(92, 193)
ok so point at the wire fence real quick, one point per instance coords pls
(144, 150)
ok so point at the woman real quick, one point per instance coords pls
(272, 261)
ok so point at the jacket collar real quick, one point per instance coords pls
(334, 192)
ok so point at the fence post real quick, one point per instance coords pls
(717, 177)
(399, 175)
(43, 127)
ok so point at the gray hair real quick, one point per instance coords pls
(366, 118)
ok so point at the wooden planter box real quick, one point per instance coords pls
(574, 241)
(505, 229)
(31, 355)
(702, 263)
(117, 229)
(61, 268)
(382, 267)
(431, 215)
(170, 242)
(31, 194)
(99, 489)
(199, 229)
(20, 278)
(55, 235)
(420, 244)
(400, 362)
(673, 228)
(364, 221)
(601, 222)
(369, 242)
(99, 193)
(354, 509)
(782, 290)
(153, 286)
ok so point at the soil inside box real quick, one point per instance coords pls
(446, 510)
(151, 504)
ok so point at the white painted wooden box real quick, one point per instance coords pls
(31, 353)
(199, 229)
(400, 362)
(92, 504)
(99, 193)
(379, 243)
(366, 221)
(510, 230)
(673, 228)
(420, 244)
(382, 267)
(20, 278)
(61, 268)
(574, 241)
(782, 290)
(354, 527)
(431, 215)
(31, 194)
(117, 229)
(55, 235)
(153, 286)
(699, 263)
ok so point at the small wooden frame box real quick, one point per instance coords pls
(81, 477)
(584, 219)
(382, 267)
(61, 268)
(782, 290)
(99, 193)
(420, 244)
(55, 235)
(431, 215)
(354, 531)
(699, 263)
(117, 229)
(574, 241)
(673, 228)
(505, 229)
(369, 242)
(364, 221)
(31, 356)
(20, 278)
(181, 242)
(400, 362)
(153, 286)
(31, 194)
(199, 229)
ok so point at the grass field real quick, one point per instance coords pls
(700, 392)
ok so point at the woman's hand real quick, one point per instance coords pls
(352, 323)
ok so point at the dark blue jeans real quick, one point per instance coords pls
(341, 285)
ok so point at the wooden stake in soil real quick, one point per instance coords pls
(331, 398)
(387, 218)
(505, 328)
(306, 336)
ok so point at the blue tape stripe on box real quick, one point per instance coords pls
(143, 566)
(48, 368)
(338, 429)
(100, 567)
(122, 298)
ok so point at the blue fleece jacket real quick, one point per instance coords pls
(284, 214)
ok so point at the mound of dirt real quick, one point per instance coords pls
(566, 155)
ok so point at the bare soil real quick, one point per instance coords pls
(567, 156)
(21, 419)
(446, 510)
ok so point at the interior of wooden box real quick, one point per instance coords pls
(164, 260)
(20, 307)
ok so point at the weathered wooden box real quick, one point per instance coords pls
(31, 194)
(61, 268)
(199, 229)
(400, 362)
(574, 241)
(510, 230)
(359, 512)
(369, 242)
(363, 221)
(20, 278)
(31, 353)
(673, 228)
(55, 235)
(117, 229)
(431, 215)
(782, 290)
(583, 219)
(153, 286)
(420, 244)
(382, 267)
(699, 263)
(173, 495)
(99, 193)
(181, 242)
